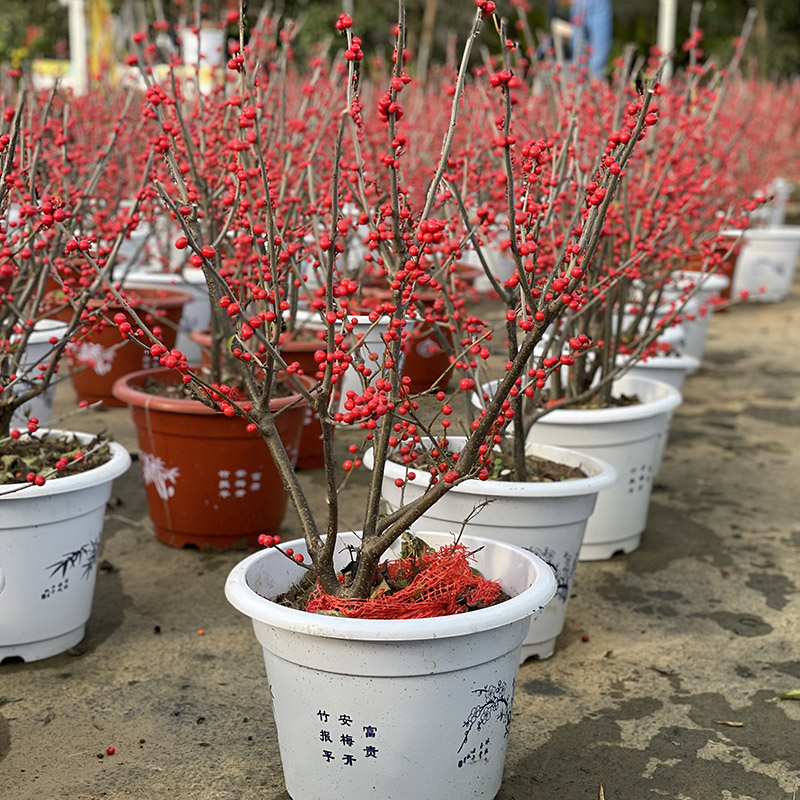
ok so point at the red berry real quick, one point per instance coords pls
(110, 751)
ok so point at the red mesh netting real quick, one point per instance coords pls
(443, 583)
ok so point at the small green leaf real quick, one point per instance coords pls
(792, 694)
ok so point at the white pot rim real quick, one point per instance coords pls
(603, 475)
(785, 232)
(676, 362)
(668, 399)
(44, 329)
(364, 319)
(707, 282)
(190, 276)
(119, 462)
(253, 605)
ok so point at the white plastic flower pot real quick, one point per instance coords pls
(130, 255)
(207, 49)
(372, 343)
(499, 260)
(697, 313)
(196, 314)
(631, 439)
(549, 519)
(708, 284)
(668, 368)
(672, 369)
(767, 262)
(49, 545)
(392, 709)
(37, 352)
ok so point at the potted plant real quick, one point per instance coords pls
(54, 484)
(179, 432)
(356, 673)
(577, 393)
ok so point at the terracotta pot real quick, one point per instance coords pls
(467, 274)
(203, 340)
(424, 359)
(209, 482)
(310, 454)
(104, 357)
(694, 263)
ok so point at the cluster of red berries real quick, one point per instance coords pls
(273, 541)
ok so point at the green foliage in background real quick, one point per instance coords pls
(30, 28)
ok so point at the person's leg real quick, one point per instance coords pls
(593, 21)
(599, 27)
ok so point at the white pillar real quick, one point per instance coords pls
(667, 19)
(78, 50)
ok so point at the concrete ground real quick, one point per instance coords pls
(665, 683)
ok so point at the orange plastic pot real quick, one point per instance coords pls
(99, 360)
(310, 451)
(695, 263)
(209, 481)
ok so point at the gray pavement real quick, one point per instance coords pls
(665, 682)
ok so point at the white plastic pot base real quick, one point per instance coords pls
(45, 648)
(538, 650)
(602, 551)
